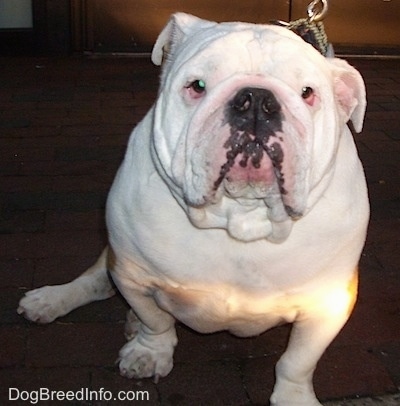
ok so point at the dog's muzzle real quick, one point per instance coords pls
(254, 115)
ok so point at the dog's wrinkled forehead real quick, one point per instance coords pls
(186, 36)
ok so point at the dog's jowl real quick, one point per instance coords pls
(241, 202)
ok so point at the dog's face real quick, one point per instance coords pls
(248, 119)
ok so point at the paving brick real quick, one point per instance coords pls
(43, 111)
(54, 270)
(40, 95)
(373, 106)
(388, 256)
(9, 300)
(19, 154)
(29, 132)
(12, 346)
(52, 244)
(112, 310)
(351, 371)
(259, 378)
(96, 130)
(74, 344)
(36, 168)
(379, 141)
(82, 117)
(92, 182)
(15, 123)
(372, 323)
(389, 355)
(77, 220)
(379, 176)
(93, 167)
(26, 222)
(382, 234)
(391, 105)
(16, 273)
(51, 200)
(99, 152)
(382, 124)
(195, 347)
(208, 383)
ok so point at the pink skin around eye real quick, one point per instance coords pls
(310, 100)
(193, 94)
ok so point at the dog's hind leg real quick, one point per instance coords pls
(45, 304)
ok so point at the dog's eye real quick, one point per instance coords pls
(309, 96)
(199, 86)
(195, 90)
(307, 92)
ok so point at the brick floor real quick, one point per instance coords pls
(64, 123)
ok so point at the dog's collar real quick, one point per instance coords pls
(311, 32)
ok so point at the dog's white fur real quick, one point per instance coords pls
(232, 258)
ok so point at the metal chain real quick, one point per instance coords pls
(311, 32)
(311, 29)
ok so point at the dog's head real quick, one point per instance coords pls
(247, 123)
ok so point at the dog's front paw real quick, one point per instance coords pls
(43, 305)
(289, 393)
(148, 356)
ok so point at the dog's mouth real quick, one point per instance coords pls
(253, 170)
(253, 150)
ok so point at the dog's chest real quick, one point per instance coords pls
(218, 307)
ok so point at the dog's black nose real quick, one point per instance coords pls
(253, 109)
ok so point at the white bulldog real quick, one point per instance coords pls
(241, 203)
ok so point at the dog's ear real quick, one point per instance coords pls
(349, 91)
(178, 29)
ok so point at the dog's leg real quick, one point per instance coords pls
(132, 325)
(151, 331)
(45, 304)
(150, 352)
(311, 335)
